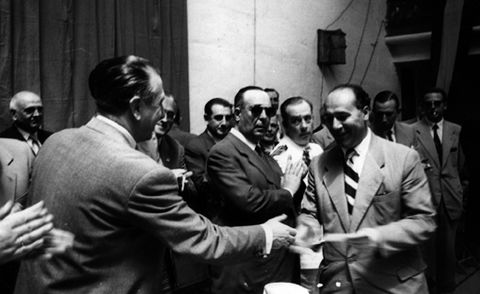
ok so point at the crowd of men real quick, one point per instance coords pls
(367, 204)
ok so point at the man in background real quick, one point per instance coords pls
(444, 162)
(219, 118)
(386, 108)
(270, 139)
(26, 109)
(297, 121)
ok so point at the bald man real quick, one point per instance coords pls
(27, 114)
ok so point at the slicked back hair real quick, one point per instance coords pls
(385, 96)
(214, 101)
(113, 82)
(292, 101)
(361, 97)
(239, 96)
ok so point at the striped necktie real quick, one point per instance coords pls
(306, 155)
(351, 179)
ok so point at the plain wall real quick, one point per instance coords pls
(273, 43)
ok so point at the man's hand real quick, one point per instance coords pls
(365, 239)
(23, 231)
(294, 174)
(283, 235)
(56, 242)
(182, 176)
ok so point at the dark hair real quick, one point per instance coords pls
(361, 97)
(272, 90)
(436, 90)
(385, 96)
(292, 101)
(113, 82)
(215, 101)
(239, 96)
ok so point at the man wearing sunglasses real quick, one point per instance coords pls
(250, 185)
(297, 121)
(439, 146)
(219, 118)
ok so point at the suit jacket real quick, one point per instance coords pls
(124, 210)
(251, 192)
(196, 153)
(445, 178)
(323, 138)
(393, 197)
(180, 135)
(404, 134)
(16, 161)
(13, 133)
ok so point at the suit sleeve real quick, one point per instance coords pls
(231, 181)
(155, 206)
(195, 161)
(417, 223)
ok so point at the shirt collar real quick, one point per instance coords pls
(26, 135)
(118, 127)
(242, 138)
(439, 124)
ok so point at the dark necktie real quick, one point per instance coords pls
(259, 151)
(306, 155)
(438, 143)
(351, 179)
(389, 135)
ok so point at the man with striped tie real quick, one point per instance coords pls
(373, 200)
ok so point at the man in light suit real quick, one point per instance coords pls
(386, 108)
(249, 183)
(123, 206)
(27, 113)
(375, 205)
(444, 163)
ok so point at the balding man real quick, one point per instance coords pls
(27, 114)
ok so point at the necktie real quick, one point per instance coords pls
(306, 155)
(351, 179)
(259, 150)
(389, 135)
(438, 143)
(33, 144)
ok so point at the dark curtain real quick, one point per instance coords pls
(50, 47)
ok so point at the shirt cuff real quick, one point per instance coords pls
(291, 192)
(268, 239)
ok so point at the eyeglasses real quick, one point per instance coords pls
(220, 117)
(258, 109)
(296, 120)
(170, 115)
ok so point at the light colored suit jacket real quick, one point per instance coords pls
(124, 210)
(16, 161)
(447, 178)
(393, 197)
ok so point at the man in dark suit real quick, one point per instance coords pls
(444, 161)
(373, 200)
(122, 206)
(386, 108)
(219, 118)
(249, 183)
(27, 114)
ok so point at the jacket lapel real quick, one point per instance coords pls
(370, 181)
(449, 136)
(334, 181)
(425, 138)
(254, 159)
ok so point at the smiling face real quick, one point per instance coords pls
(299, 123)
(344, 120)
(164, 124)
(253, 116)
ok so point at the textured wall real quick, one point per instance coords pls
(273, 43)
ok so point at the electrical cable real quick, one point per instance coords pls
(373, 52)
(360, 41)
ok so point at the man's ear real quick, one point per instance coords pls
(134, 105)
(236, 113)
(13, 112)
(366, 112)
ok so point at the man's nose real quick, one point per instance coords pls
(336, 124)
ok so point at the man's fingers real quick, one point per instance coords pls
(5, 209)
(35, 235)
(30, 213)
(33, 225)
(25, 249)
(279, 218)
(300, 250)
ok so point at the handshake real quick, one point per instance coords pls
(30, 232)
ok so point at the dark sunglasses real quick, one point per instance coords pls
(170, 115)
(220, 117)
(258, 109)
(296, 120)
